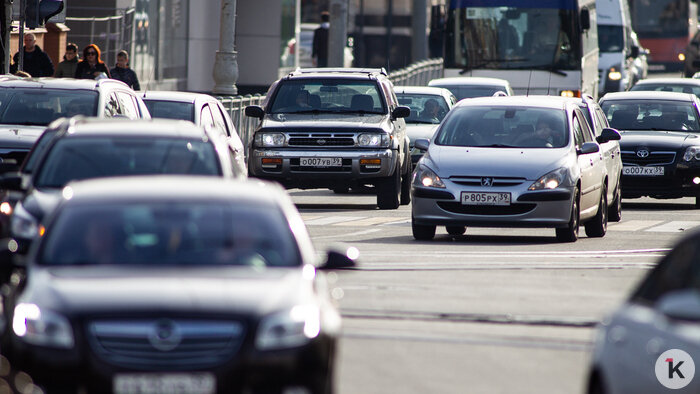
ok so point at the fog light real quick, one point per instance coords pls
(365, 162)
(272, 161)
(696, 180)
(681, 57)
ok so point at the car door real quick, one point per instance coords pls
(611, 153)
(590, 165)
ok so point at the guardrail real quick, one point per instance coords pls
(417, 74)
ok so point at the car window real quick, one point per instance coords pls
(217, 119)
(588, 135)
(128, 105)
(600, 116)
(508, 127)
(94, 157)
(112, 106)
(578, 133)
(651, 115)
(425, 108)
(170, 109)
(205, 117)
(42, 106)
(328, 95)
(190, 233)
(37, 151)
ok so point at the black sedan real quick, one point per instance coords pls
(142, 285)
(660, 143)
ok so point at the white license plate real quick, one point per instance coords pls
(476, 198)
(155, 383)
(321, 162)
(643, 171)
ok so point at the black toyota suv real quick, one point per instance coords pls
(333, 128)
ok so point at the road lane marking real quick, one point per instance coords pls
(367, 221)
(323, 221)
(633, 225)
(675, 226)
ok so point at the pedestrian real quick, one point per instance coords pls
(91, 66)
(36, 62)
(66, 68)
(123, 73)
(319, 51)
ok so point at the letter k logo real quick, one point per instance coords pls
(672, 369)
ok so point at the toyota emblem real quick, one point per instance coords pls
(642, 153)
(487, 181)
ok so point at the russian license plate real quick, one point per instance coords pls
(478, 198)
(642, 171)
(155, 383)
(320, 162)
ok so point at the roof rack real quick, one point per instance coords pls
(298, 71)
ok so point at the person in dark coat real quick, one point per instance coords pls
(123, 73)
(66, 68)
(319, 51)
(91, 66)
(36, 62)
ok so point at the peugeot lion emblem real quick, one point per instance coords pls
(642, 153)
(487, 181)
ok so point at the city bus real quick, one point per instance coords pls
(540, 46)
(664, 27)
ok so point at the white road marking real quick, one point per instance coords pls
(367, 221)
(674, 227)
(331, 219)
(633, 225)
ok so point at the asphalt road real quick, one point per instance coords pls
(493, 311)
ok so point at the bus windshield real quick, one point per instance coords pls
(660, 18)
(502, 36)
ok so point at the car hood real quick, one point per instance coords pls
(528, 163)
(80, 290)
(293, 121)
(39, 202)
(657, 139)
(19, 137)
(416, 131)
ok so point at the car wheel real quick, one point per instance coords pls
(389, 190)
(615, 210)
(570, 232)
(455, 230)
(697, 202)
(422, 232)
(598, 226)
(406, 185)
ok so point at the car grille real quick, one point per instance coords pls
(496, 181)
(513, 209)
(654, 158)
(295, 166)
(182, 344)
(321, 139)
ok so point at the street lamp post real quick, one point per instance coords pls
(226, 63)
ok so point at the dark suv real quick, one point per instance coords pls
(333, 128)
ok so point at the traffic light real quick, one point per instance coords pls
(37, 12)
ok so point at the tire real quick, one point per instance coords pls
(697, 202)
(570, 232)
(615, 210)
(406, 184)
(422, 232)
(598, 226)
(389, 191)
(455, 230)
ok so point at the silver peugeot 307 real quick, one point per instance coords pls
(512, 162)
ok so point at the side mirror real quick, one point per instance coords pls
(422, 143)
(634, 51)
(11, 181)
(680, 305)
(340, 258)
(254, 111)
(585, 19)
(588, 147)
(608, 134)
(401, 112)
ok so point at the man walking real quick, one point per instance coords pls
(320, 45)
(36, 62)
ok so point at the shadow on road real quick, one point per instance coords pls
(654, 206)
(467, 239)
(335, 207)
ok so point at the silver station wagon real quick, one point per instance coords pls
(512, 162)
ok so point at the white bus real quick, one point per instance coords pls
(540, 46)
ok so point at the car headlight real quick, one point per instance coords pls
(42, 327)
(23, 224)
(551, 180)
(269, 140)
(692, 153)
(373, 140)
(426, 177)
(289, 328)
(614, 73)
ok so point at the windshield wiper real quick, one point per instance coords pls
(315, 111)
(496, 146)
(361, 111)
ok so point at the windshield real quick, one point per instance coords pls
(506, 37)
(651, 115)
(170, 110)
(192, 233)
(610, 38)
(660, 18)
(37, 150)
(39, 107)
(328, 95)
(81, 158)
(425, 108)
(507, 127)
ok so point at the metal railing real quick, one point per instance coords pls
(110, 33)
(417, 74)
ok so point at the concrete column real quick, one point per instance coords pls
(420, 30)
(338, 32)
(226, 63)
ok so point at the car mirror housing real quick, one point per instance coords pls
(608, 134)
(339, 257)
(254, 111)
(681, 305)
(401, 112)
(422, 143)
(588, 147)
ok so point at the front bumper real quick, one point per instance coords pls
(676, 182)
(288, 171)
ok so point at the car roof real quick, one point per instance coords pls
(480, 81)
(58, 83)
(331, 72)
(553, 102)
(183, 97)
(173, 188)
(139, 127)
(669, 81)
(649, 95)
(422, 90)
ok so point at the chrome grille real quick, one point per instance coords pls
(321, 139)
(654, 158)
(476, 181)
(143, 344)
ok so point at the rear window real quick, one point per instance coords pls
(170, 110)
